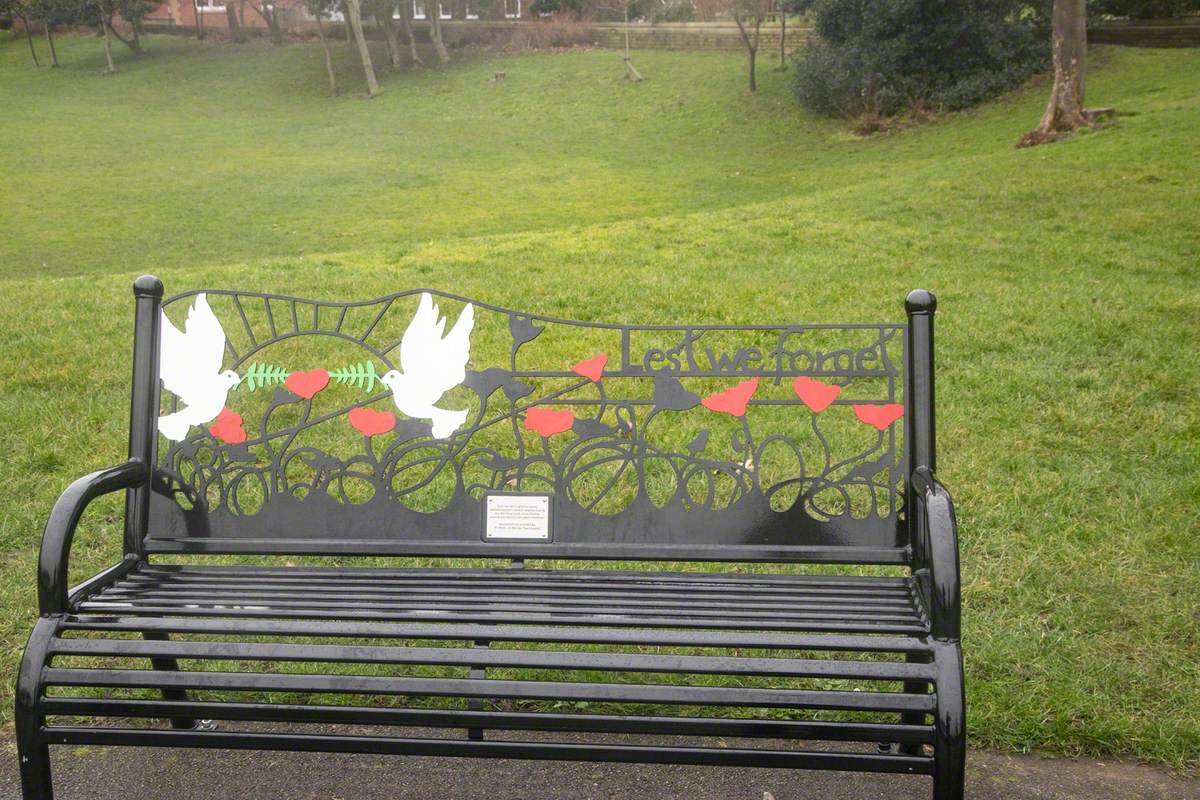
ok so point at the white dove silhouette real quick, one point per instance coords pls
(432, 365)
(190, 368)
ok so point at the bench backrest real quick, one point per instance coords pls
(428, 424)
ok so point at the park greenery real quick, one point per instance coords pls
(867, 59)
(1144, 9)
(883, 57)
(1067, 276)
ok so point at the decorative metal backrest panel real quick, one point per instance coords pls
(384, 426)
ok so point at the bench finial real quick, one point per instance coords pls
(920, 301)
(148, 286)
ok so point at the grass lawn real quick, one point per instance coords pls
(1068, 275)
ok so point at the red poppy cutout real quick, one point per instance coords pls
(547, 422)
(880, 416)
(228, 427)
(732, 401)
(592, 368)
(815, 394)
(370, 422)
(306, 384)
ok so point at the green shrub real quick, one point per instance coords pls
(671, 11)
(1144, 9)
(888, 56)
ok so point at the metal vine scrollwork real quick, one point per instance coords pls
(798, 421)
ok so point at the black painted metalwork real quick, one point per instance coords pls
(749, 665)
(833, 506)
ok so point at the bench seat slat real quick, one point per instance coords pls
(765, 623)
(504, 720)
(723, 592)
(387, 548)
(700, 756)
(463, 656)
(490, 689)
(599, 577)
(410, 604)
(898, 605)
(431, 630)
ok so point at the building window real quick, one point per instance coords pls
(210, 6)
(333, 15)
(512, 9)
(419, 10)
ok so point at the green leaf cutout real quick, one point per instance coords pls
(259, 375)
(360, 376)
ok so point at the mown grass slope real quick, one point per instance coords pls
(1068, 275)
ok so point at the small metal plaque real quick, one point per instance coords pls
(518, 516)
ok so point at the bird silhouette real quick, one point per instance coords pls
(430, 365)
(190, 368)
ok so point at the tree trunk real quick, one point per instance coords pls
(29, 38)
(50, 43)
(355, 18)
(406, 24)
(782, 38)
(631, 72)
(433, 13)
(751, 46)
(132, 43)
(137, 38)
(231, 21)
(389, 34)
(387, 45)
(107, 43)
(269, 13)
(273, 23)
(199, 19)
(1065, 111)
(333, 90)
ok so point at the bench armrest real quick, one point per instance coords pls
(60, 528)
(936, 523)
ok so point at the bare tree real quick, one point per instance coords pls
(631, 72)
(269, 12)
(21, 10)
(747, 14)
(106, 23)
(51, 13)
(320, 8)
(233, 23)
(354, 16)
(406, 10)
(622, 6)
(1065, 111)
(783, 7)
(433, 13)
(132, 12)
(384, 11)
(198, 17)
(50, 43)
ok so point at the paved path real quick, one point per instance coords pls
(87, 773)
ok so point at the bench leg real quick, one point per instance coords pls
(913, 687)
(35, 768)
(169, 665)
(32, 752)
(950, 732)
(475, 703)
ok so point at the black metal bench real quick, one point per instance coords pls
(722, 449)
